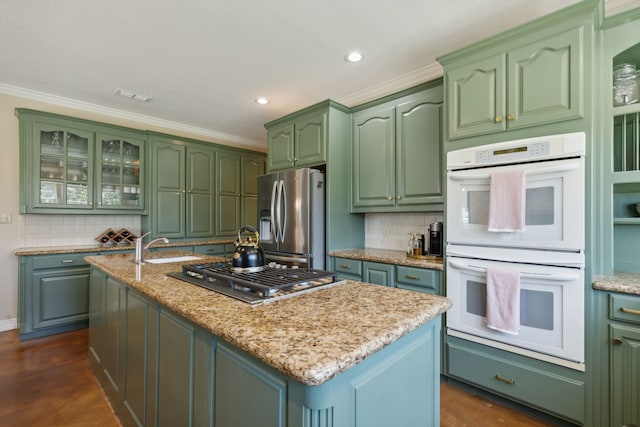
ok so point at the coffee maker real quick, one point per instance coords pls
(436, 235)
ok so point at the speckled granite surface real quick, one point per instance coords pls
(626, 283)
(389, 257)
(310, 338)
(49, 250)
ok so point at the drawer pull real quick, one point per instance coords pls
(629, 311)
(617, 341)
(67, 261)
(504, 380)
(348, 267)
(412, 277)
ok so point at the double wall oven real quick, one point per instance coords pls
(546, 254)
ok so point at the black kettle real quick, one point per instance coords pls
(248, 253)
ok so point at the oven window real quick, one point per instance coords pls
(539, 206)
(536, 307)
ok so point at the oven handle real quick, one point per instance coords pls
(524, 274)
(461, 176)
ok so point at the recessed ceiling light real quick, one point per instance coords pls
(354, 56)
(262, 101)
(131, 95)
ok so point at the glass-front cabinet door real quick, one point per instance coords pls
(65, 174)
(119, 172)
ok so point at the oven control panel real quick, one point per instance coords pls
(518, 151)
(513, 154)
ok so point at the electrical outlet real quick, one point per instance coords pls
(5, 218)
(385, 232)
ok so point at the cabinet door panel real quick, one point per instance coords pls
(60, 297)
(476, 97)
(200, 192)
(374, 158)
(310, 138)
(136, 344)
(228, 194)
(280, 145)
(545, 80)
(625, 376)
(175, 381)
(113, 297)
(379, 274)
(418, 151)
(168, 189)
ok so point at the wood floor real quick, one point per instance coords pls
(47, 382)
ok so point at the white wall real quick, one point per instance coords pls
(42, 230)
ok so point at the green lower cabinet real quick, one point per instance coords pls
(159, 369)
(624, 363)
(378, 273)
(53, 294)
(549, 388)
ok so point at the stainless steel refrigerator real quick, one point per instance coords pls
(291, 217)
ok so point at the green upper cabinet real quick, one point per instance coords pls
(516, 82)
(397, 154)
(237, 191)
(71, 165)
(119, 172)
(182, 186)
(299, 142)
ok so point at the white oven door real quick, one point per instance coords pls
(551, 308)
(554, 217)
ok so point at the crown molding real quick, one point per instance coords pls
(404, 81)
(121, 114)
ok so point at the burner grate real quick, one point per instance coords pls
(255, 286)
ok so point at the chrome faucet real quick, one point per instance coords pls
(139, 248)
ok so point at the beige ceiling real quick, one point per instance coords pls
(205, 61)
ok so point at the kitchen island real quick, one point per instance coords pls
(354, 354)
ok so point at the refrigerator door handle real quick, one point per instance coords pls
(282, 194)
(274, 226)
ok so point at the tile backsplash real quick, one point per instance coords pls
(66, 230)
(391, 231)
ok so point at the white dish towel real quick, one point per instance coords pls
(503, 300)
(507, 201)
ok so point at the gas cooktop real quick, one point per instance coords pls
(255, 286)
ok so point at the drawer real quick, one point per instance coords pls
(417, 277)
(625, 308)
(534, 387)
(60, 260)
(349, 266)
(214, 250)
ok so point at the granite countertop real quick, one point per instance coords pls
(389, 257)
(50, 250)
(626, 283)
(311, 337)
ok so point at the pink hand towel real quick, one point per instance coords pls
(507, 198)
(503, 300)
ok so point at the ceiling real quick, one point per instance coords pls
(204, 62)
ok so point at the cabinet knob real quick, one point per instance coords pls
(498, 119)
(398, 197)
(511, 117)
(616, 341)
(389, 198)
